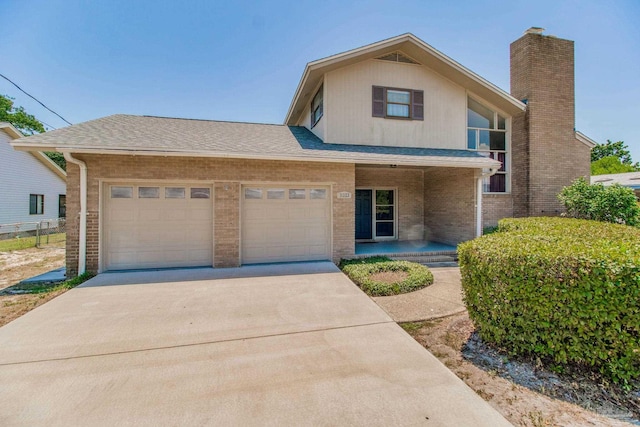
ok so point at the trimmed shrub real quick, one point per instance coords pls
(614, 203)
(564, 290)
(360, 271)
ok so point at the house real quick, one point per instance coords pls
(32, 186)
(628, 179)
(390, 141)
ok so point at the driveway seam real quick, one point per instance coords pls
(115, 353)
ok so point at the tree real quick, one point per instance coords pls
(613, 203)
(610, 164)
(27, 124)
(18, 117)
(617, 149)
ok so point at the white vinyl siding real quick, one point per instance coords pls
(21, 175)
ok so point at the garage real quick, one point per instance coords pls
(285, 223)
(151, 225)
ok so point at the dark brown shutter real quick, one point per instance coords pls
(378, 102)
(417, 105)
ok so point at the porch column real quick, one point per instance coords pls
(479, 206)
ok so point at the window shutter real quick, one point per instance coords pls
(378, 102)
(417, 105)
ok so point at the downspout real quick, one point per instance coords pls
(483, 175)
(82, 238)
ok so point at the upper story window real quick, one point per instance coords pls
(316, 107)
(487, 133)
(398, 103)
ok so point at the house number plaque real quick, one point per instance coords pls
(344, 195)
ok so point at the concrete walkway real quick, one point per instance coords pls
(293, 344)
(443, 298)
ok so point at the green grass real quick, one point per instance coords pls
(411, 327)
(39, 288)
(29, 242)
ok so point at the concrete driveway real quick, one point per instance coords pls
(294, 344)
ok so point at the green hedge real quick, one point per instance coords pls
(361, 270)
(565, 290)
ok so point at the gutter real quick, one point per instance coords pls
(375, 159)
(82, 238)
(490, 172)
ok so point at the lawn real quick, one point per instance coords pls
(18, 243)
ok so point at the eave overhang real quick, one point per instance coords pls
(453, 161)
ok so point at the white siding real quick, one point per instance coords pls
(23, 174)
(347, 107)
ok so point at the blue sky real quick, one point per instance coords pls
(241, 61)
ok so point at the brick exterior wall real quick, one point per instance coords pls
(495, 207)
(221, 172)
(449, 204)
(410, 188)
(546, 154)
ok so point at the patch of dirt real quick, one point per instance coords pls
(389, 276)
(16, 266)
(522, 392)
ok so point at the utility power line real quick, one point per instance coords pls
(34, 98)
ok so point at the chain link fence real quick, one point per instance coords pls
(37, 233)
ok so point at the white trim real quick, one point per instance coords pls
(585, 140)
(396, 220)
(458, 162)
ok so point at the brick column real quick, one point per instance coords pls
(226, 224)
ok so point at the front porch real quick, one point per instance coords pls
(422, 251)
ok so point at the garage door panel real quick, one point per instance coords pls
(317, 249)
(295, 228)
(274, 211)
(200, 214)
(149, 213)
(158, 232)
(316, 233)
(173, 214)
(317, 213)
(124, 214)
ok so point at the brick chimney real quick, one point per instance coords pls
(546, 154)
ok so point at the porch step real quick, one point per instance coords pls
(411, 256)
(427, 259)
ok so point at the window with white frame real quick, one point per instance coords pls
(487, 134)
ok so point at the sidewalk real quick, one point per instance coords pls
(443, 298)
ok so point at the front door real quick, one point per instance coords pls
(382, 226)
(364, 223)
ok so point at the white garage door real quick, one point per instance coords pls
(157, 225)
(282, 223)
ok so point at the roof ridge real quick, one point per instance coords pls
(200, 120)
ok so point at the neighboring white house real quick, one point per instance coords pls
(627, 179)
(32, 187)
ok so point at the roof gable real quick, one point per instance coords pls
(411, 47)
(14, 133)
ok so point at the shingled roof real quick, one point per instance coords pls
(147, 135)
